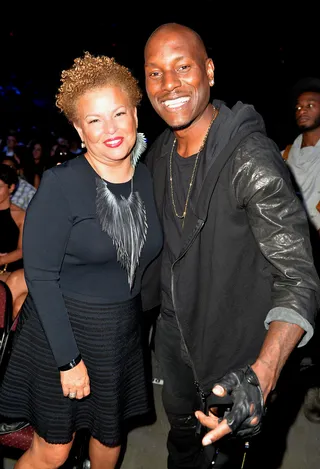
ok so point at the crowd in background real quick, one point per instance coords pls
(22, 164)
(31, 156)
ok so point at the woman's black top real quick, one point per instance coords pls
(67, 253)
(9, 237)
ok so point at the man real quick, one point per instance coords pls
(303, 159)
(24, 190)
(303, 156)
(239, 289)
(12, 143)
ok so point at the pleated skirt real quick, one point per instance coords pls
(109, 339)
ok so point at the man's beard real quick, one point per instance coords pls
(309, 127)
(183, 126)
(179, 127)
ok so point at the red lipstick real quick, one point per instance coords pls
(113, 142)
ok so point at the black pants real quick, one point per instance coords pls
(180, 401)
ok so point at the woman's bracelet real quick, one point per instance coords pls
(71, 365)
(4, 269)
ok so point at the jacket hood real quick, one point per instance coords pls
(230, 121)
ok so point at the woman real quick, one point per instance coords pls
(27, 166)
(37, 151)
(11, 222)
(90, 231)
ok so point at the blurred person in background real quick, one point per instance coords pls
(24, 191)
(303, 160)
(37, 151)
(11, 222)
(9, 149)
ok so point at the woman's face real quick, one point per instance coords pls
(37, 152)
(11, 142)
(107, 123)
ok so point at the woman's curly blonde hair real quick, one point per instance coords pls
(91, 72)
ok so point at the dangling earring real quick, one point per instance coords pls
(138, 149)
(83, 145)
(211, 82)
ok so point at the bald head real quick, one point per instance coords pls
(178, 74)
(169, 31)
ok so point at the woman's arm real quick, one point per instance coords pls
(46, 233)
(7, 258)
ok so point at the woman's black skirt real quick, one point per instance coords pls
(108, 337)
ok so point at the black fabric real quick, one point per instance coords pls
(9, 233)
(187, 290)
(181, 174)
(79, 302)
(230, 271)
(246, 404)
(7, 427)
(70, 365)
(66, 251)
(180, 400)
(9, 237)
(223, 274)
(220, 133)
(108, 336)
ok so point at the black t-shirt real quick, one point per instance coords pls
(182, 169)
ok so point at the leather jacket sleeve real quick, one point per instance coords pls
(263, 187)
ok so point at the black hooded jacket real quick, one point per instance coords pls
(245, 250)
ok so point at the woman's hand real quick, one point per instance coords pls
(75, 381)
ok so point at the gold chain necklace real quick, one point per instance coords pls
(183, 215)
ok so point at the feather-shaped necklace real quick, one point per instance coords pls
(124, 219)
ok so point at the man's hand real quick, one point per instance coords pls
(245, 420)
(75, 381)
(245, 417)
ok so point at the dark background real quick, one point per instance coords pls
(259, 53)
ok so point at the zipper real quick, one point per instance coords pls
(199, 390)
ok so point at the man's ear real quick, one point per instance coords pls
(210, 71)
